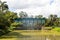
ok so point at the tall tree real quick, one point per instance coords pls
(52, 20)
(6, 19)
(23, 14)
(39, 16)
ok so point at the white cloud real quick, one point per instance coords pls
(35, 7)
(19, 4)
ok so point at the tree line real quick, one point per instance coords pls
(52, 20)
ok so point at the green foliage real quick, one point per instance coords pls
(3, 6)
(53, 20)
(23, 14)
(14, 25)
(56, 29)
(39, 16)
(6, 19)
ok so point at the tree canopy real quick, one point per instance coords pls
(6, 18)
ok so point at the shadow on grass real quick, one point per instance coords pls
(14, 35)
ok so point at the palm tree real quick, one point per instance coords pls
(3, 6)
(51, 17)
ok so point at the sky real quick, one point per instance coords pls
(35, 7)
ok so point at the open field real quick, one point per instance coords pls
(32, 35)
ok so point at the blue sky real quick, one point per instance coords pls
(35, 7)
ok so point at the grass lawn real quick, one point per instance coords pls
(32, 35)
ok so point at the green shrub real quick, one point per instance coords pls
(56, 29)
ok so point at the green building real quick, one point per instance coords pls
(31, 23)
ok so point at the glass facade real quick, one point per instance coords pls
(30, 23)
